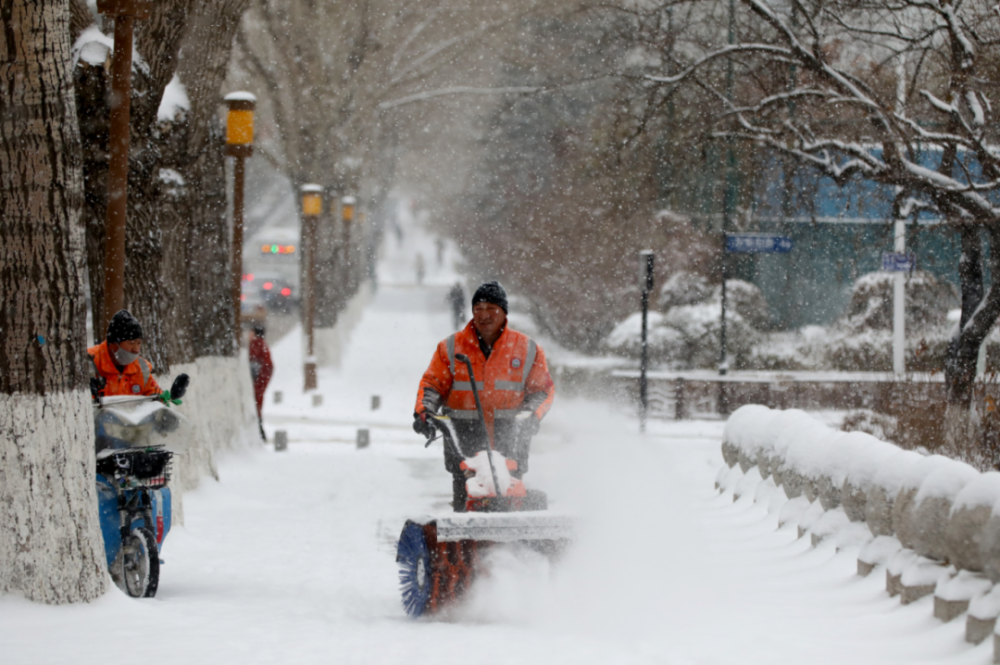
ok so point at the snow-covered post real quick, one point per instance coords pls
(312, 208)
(899, 306)
(646, 259)
(239, 146)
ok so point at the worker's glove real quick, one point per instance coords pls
(97, 384)
(166, 399)
(527, 423)
(421, 426)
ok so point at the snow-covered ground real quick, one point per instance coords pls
(289, 557)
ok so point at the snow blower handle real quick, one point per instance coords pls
(462, 358)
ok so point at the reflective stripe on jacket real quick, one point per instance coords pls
(135, 379)
(514, 379)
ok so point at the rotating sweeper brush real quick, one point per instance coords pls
(439, 557)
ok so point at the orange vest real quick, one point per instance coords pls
(135, 379)
(516, 367)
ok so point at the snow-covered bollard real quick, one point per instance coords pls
(783, 430)
(843, 450)
(932, 507)
(790, 480)
(811, 456)
(905, 503)
(280, 440)
(884, 488)
(810, 517)
(970, 513)
(729, 479)
(747, 485)
(989, 550)
(278, 396)
(730, 453)
(829, 525)
(317, 399)
(899, 562)
(878, 552)
(982, 617)
(953, 594)
(921, 578)
(363, 438)
(745, 435)
(867, 456)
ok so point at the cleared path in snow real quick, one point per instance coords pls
(290, 557)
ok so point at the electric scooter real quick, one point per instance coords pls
(136, 437)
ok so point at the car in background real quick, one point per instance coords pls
(274, 292)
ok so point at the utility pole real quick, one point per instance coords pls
(729, 202)
(124, 12)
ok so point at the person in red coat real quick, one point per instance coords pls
(261, 369)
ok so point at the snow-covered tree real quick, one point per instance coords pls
(50, 540)
(896, 93)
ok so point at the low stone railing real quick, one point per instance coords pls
(932, 523)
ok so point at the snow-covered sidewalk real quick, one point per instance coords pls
(289, 558)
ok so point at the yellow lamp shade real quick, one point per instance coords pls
(239, 127)
(312, 204)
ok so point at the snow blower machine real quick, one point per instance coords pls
(439, 556)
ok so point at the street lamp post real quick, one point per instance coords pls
(124, 12)
(347, 205)
(646, 260)
(239, 146)
(312, 208)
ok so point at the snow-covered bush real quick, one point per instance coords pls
(927, 301)
(683, 288)
(685, 334)
(626, 337)
(861, 339)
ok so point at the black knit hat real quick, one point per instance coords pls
(491, 292)
(123, 327)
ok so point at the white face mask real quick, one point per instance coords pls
(124, 358)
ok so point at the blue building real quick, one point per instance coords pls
(839, 233)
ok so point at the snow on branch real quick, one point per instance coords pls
(457, 90)
(715, 55)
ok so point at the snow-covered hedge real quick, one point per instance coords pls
(685, 332)
(933, 522)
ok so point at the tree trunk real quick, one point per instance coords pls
(50, 540)
(980, 309)
(202, 67)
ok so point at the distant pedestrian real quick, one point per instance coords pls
(456, 296)
(439, 243)
(421, 269)
(261, 369)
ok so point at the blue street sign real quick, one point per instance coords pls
(898, 261)
(757, 243)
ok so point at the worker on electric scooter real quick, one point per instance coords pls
(120, 369)
(512, 379)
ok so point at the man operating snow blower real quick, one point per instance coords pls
(513, 383)
(494, 388)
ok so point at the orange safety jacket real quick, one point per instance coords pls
(135, 379)
(515, 378)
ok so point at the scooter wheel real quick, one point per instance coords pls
(414, 561)
(140, 564)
